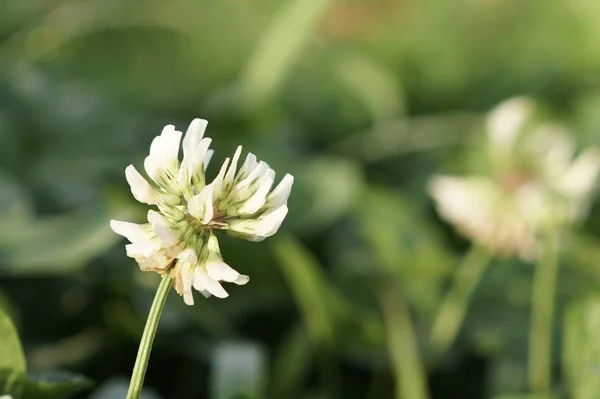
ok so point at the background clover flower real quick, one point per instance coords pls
(179, 237)
(535, 183)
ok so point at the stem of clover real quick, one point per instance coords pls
(143, 355)
(454, 307)
(542, 310)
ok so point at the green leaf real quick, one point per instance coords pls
(402, 244)
(581, 348)
(11, 352)
(331, 187)
(309, 286)
(291, 364)
(62, 243)
(281, 45)
(238, 371)
(12, 382)
(12, 361)
(372, 84)
(55, 385)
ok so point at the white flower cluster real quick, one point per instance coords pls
(179, 238)
(536, 184)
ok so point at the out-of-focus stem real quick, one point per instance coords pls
(451, 313)
(409, 372)
(542, 310)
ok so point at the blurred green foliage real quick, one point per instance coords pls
(361, 100)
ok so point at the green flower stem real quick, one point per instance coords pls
(454, 307)
(409, 372)
(141, 362)
(542, 309)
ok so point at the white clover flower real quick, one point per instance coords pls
(179, 237)
(536, 183)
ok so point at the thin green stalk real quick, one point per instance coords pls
(141, 362)
(452, 312)
(409, 372)
(542, 310)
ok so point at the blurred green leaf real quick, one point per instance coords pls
(581, 348)
(376, 88)
(507, 374)
(11, 352)
(409, 372)
(56, 244)
(12, 360)
(309, 286)
(281, 45)
(404, 245)
(239, 371)
(291, 363)
(400, 136)
(55, 385)
(327, 189)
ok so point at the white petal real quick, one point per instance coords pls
(193, 135)
(142, 248)
(132, 231)
(140, 188)
(218, 182)
(505, 121)
(554, 147)
(212, 245)
(281, 193)
(156, 262)
(232, 169)
(264, 226)
(169, 150)
(187, 279)
(208, 157)
(270, 222)
(220, 271)
(188, 255)
(201, 280)
(193, 164)
(156, 217)
(153, 165)
(200, 206)
(164, 152)
(261, 170)
(249, 164)
(162, 228)
(198, 285)
(199, 156)
(582, 176)
(241, 280)
(188, 297)
(257, 200)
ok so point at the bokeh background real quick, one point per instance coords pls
(362, 101)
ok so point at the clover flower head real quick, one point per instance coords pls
(179, 236)
(536, 183)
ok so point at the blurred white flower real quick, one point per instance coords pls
(536, 183)
(6, 397)
(179, 236)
